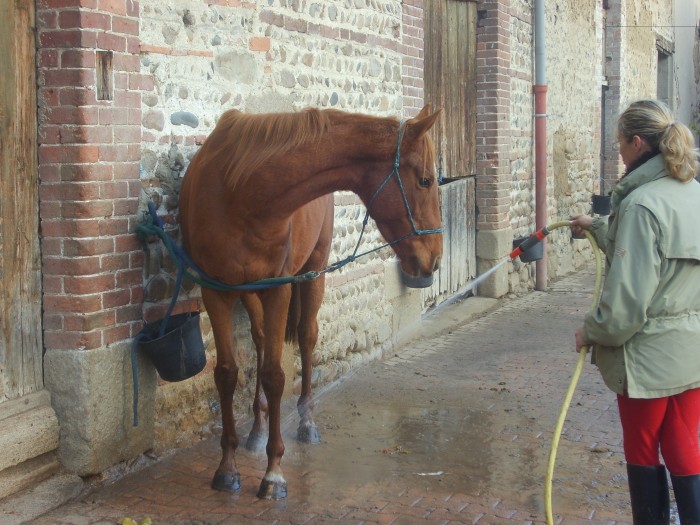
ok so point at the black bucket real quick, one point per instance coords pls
(179, 353)
(601, 204)
(534, 253)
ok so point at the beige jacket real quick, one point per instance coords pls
(647, 325)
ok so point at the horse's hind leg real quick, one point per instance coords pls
(258, 433)
(219, 307)
(311, 299)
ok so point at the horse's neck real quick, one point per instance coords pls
(336, 163)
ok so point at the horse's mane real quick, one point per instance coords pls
(242, 142)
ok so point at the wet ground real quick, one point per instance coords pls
(456, 427)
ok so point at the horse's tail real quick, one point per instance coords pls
(294, 315)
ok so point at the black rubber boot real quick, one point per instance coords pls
(687, 491)
(649, 494)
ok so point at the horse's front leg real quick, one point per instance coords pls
(257, 438)
(311, 299)
(220, 307)
(275, 305)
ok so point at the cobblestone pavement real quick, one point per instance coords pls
(456, 427)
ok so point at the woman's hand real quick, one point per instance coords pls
(581, 341)
(579, 223)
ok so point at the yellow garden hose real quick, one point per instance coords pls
(583, 351)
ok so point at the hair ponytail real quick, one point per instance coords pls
(653, 121)
(678, 148)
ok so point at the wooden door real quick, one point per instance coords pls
(28, 424)
(450, 83)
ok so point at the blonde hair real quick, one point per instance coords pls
(653, 121)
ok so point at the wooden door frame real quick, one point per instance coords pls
(30, 430)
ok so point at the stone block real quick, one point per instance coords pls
(493, 246)
(407, 304)
(92, 393)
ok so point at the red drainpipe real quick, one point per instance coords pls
(541, 179)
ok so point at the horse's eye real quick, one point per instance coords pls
(425, 182)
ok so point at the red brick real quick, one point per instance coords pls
(114, 262)
(73, 303)
(61, 4)
(130, 313)
(109, 116)
(52, 284)
(63, 115)
(69, 191)
(89, 322)
(65, 39)
(84, 20)
(87, 210)
(73, 266)
(61, 228)
(87, 134)
(114, 226)
(77, 96)
(89, 284)
(87, 247)
(86, 172)
(129, 278)
(113, 6)
(111, 41)
(68, 77)
(72, 340)
(48, 58)
(84, 153)
(76, 58)
(126, 171)
(116, 298)
(125, 25)
(117, 333)
(123, 134)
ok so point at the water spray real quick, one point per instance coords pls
(522, 248)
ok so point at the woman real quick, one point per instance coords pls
(646, 329)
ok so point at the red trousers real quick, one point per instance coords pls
(669, 424)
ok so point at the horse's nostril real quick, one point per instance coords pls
(436, 267)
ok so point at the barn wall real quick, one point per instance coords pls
(127, 93)
(597, 61)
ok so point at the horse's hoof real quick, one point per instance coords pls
(226, 482)
(308, 434)
(256, 442)
(272, 489)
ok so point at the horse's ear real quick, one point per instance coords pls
(425, 111)
(422, 122)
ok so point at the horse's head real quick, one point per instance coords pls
(406, 207)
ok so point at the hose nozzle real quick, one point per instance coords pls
(529, 242)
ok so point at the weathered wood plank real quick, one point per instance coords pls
(20, 265)
(450, 83)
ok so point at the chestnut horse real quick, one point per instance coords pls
(257, 203)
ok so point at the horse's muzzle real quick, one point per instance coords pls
(421, 281)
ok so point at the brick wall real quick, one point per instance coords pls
(89, 136)
(89, 152)
(412, 50)
(493, 115)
